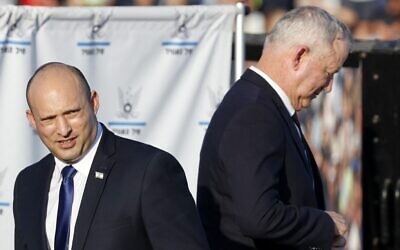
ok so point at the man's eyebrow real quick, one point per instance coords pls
(49, 117)
(71, 111)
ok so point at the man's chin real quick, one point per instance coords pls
(305, 104)
(68, 158)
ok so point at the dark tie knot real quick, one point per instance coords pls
(68, 172)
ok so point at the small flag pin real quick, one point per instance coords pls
(99, 175)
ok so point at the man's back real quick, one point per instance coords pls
(252, 182)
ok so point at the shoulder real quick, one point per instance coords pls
(130, 145)
(140, 152)
(254, 128)
(145, 162)
(34, 175)
(256, 118)
(247, 111)
(245, 91)
(112, 143)
(250, 95)
(37, 168)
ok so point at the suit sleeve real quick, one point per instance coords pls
(169, 212)
(253, 148)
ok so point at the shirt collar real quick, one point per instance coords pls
(285, 99)
(84, 164)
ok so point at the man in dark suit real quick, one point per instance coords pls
(123, 194)
(258, 185)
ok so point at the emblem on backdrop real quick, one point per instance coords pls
(182, 31)
(127, 113)
(128, 99)
(179, 43)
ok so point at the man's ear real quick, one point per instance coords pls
(299, 55)
(95, 101)
(31, 119)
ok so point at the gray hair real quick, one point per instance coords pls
(311, 26)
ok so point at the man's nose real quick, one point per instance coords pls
(63, 126)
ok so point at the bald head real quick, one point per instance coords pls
(57, 70)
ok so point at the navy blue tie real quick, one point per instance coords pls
(296, 121)
(64, 208)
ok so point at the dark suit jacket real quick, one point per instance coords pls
(143, 202)
(254, 188)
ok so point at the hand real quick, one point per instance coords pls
(341, 226)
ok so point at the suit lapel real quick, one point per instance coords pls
(102, 163)
(43, 191)
(258, 80)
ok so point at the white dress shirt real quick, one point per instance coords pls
(285, 99)
(82, 167)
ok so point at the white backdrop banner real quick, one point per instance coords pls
(160, 73)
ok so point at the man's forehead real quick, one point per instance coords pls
(54, 76)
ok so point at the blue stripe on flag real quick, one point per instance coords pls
(204, 123)
(172, 43)
(12, 42)
(93, 44)
(115, 123)
(4, 204)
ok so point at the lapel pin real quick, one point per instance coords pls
(99, 175)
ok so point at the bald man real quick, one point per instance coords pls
(96, 190)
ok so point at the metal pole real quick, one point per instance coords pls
(239, 41)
